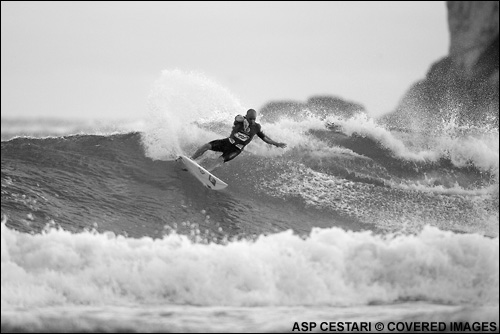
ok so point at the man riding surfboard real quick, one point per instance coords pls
(244, 129)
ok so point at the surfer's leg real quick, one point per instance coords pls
(201, 150)
(216, 164)
(227, 156)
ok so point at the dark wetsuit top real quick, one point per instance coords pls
(237, 140)
(241, 137)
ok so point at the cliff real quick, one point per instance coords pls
(464, 85)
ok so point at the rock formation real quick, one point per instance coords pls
(463, 86)
(320, 106)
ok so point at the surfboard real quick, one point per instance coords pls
(205, 177)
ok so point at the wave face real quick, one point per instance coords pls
(350, 214)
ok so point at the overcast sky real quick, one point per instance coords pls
(100, 59)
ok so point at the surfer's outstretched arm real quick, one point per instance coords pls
(272, 142)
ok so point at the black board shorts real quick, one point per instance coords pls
(229, 151)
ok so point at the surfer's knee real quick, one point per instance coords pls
(230, 156)
(204, 148)
(201, 150)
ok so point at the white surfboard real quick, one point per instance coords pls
(209, 180)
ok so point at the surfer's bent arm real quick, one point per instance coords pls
(240, 119)
(272, 142)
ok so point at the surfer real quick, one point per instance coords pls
(244, 128)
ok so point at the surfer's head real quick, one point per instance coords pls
(251, 115)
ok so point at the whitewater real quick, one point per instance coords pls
(354, 221)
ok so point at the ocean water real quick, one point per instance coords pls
(354, 223)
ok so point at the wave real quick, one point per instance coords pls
(336, 171)
(109, 178)
(55, 127)
(351, 218)
(328, 267)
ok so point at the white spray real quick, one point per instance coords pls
(177, 103)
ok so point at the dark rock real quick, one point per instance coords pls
(462, 87)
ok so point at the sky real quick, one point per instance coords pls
(100, 59)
